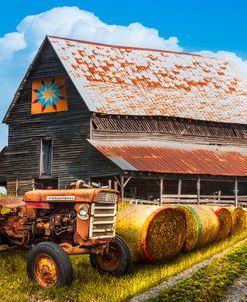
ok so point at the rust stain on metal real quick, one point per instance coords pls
(135, 81)
(156, 157)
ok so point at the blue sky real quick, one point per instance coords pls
(217, 27)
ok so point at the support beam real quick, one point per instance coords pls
(126, 182)
(236, 192)
(161, 189)
(122, 184)
(179, 187)
(117, 181)
(122, 188)
(109, 183)
(33, 184)
(16, 187)
(198, 186)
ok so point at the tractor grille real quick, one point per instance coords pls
(107, 197)
(103, 218)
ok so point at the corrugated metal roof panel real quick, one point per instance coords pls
(162, 157)
(122, 163)
(134, 81)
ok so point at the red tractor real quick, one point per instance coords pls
(53, 224)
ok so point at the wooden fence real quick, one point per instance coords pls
(221, 200)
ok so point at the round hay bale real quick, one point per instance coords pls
(153, 233)
(202, 225)
(245, 210)
(225, 219)
(238, 219)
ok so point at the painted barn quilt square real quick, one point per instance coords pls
(49, 95)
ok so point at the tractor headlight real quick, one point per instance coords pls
(83, 212)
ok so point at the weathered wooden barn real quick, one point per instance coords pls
(158, 123)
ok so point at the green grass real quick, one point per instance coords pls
(209, 283)
(89, 285)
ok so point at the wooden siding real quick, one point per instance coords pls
(3, 176)
(68, 130)
(113, 126)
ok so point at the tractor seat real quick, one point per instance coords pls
(11, 202)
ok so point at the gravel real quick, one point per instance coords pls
(238, 291)
(154, 291)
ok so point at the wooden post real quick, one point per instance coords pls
(198, 186)
(135, 191)
(109, 183)
(219, 195)
(236, 192)
(33, 184)
(179, 188)
(122, 187)
(115, 185)
(161, 189)
(16, 187)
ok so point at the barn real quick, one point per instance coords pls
(154, 123)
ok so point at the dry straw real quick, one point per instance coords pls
(202, 225)
(153, 233)
(225, 219)
(238, 219)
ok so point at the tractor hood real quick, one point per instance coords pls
(71, 195)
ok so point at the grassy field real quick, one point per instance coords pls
(209, 283)
(89, 285)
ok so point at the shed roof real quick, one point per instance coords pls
(174, 157)
(135, 81)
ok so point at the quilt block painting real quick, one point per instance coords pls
(49, 95)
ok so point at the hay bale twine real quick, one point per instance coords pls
(153, 233)
(238, 219)
(225, 219)
(202, 226)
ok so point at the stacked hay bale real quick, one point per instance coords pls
(238, 219)
(153, 233)
(225, 219)
(202, 226)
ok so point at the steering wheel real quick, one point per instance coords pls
(29, 187)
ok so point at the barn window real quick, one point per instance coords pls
(46, 157)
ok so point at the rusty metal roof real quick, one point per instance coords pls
(174, 158)
(135, 81)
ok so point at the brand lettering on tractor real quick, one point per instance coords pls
(50, 198)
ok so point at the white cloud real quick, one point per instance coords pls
(11, 43)
(75, 23)
(229, 56)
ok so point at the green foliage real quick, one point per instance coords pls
(210, 282)
(89, 285)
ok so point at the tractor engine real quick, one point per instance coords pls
(26, 226)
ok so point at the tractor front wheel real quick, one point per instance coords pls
(116, 259)
(49, 265)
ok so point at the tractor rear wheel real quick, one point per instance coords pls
(49, 265)
(115, 260)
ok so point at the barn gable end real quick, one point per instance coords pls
(68, 131)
